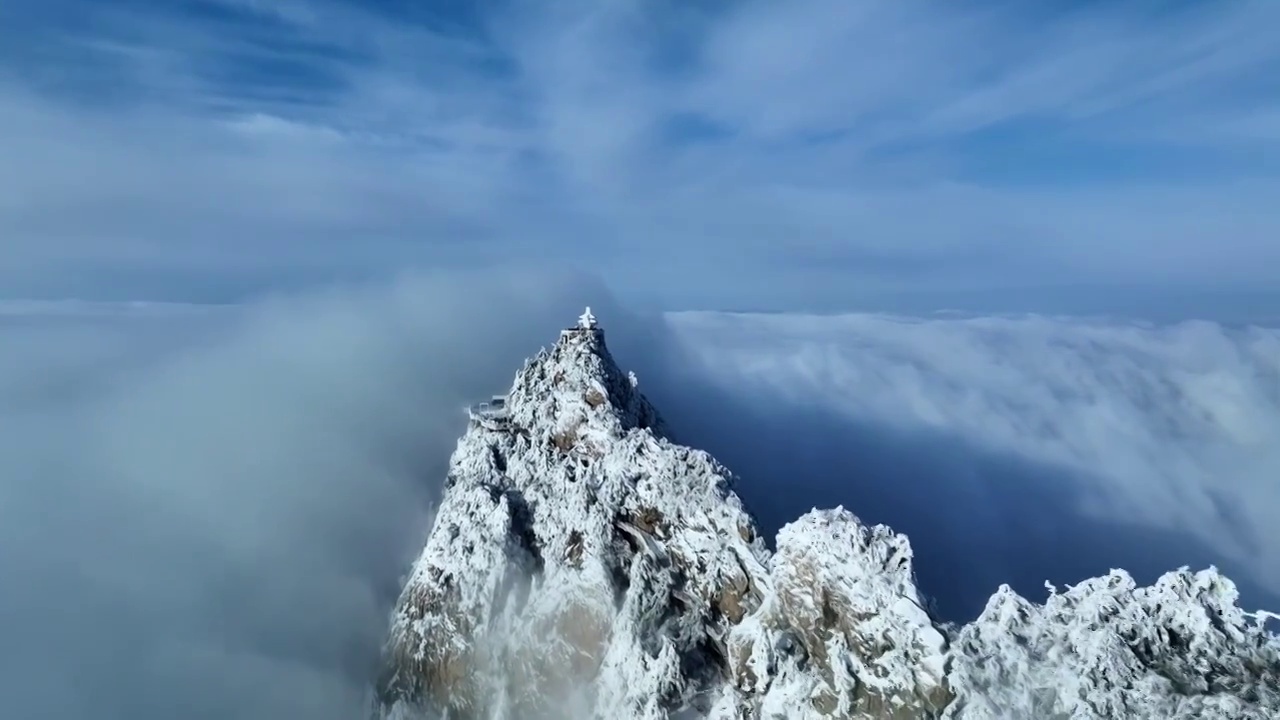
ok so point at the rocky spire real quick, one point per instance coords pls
(583, 565)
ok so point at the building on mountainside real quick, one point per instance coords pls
(491, 411)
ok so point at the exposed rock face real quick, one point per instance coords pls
(583, 565)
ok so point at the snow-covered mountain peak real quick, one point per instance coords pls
(577, 388)
(584, 565)
(578, 557)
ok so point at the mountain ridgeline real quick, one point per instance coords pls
(583, 565)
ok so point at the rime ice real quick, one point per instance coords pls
(583, 565)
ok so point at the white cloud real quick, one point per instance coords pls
(321, 138)
(1167, 426)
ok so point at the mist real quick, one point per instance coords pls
(206, 511)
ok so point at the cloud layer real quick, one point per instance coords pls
(848, 153)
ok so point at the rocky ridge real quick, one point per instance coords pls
(584, 565)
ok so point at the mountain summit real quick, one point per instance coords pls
(583, 565)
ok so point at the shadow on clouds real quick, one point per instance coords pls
(976, 518)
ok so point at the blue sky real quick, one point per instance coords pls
(819, 154)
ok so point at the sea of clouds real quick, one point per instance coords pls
(205, 511)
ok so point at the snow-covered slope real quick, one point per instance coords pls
(583, 565)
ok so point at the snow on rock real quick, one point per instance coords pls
(583, 565)
(1107, 648)
(578, 557)
(851, 637)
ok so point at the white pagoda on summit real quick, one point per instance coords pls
(587, 321)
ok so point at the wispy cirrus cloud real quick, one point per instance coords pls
(844, 152)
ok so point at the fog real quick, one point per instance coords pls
(205, 511)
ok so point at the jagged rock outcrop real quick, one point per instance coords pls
(1107, 648)
(584, 565)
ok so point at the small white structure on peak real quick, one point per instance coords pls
(587, 321)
